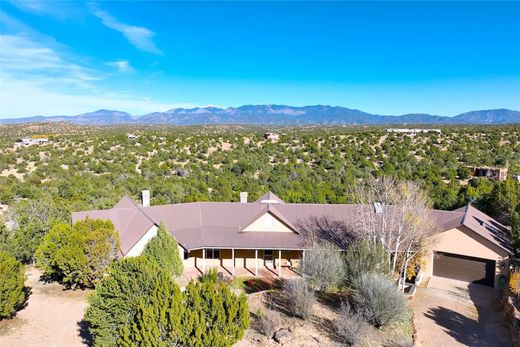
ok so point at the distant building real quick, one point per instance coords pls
(494, 173)
(412, 131)
(131, 136)
(32, 141)
(273, 137)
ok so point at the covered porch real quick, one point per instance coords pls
(245, 262)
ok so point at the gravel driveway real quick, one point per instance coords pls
(453, 313)
(51, 318)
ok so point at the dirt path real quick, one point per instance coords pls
(51, 317)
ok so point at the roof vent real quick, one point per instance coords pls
(243, 197)
(378, 207)
(146, 198)
(269, 202)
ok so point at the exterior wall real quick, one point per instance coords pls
(267, 222)
(139, 246)
(464, 241)
(243, 259)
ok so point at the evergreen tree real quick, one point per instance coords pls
(158, 318)
(214, 315)
(515, 230)
(362, 257)
(78, 254)
(122, 297)
(12, 292)
(165, 250)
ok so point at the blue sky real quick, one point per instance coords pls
(69, 57)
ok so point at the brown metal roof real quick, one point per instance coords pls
(220, 224)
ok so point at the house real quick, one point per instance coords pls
(271, 234)
(412, 131)
(32, 141)
(494, 173)
(131, 136)
(273, 137)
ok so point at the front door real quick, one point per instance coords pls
(268, 257)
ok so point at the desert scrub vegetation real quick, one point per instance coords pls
(324, 266)
(351, 327)
(300, 297)
(86, 168)
(377, 299)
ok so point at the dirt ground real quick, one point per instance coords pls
(304, 334)
(51, 318)
(453, 313)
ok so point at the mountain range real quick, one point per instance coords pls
(273, 115)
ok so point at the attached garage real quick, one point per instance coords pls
(469, 246)
(464, 268)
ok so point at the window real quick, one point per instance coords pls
(186, 255)
(212, 253)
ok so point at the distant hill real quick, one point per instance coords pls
(274, 115)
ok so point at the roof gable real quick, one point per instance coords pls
(268, 222)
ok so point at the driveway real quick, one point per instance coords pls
(52, 317)
(455, 313)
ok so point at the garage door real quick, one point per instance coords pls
(463, 268)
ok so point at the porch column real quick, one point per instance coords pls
(203, 260)
(279, 262)
(303, 262)
(256, 262)
(233, 256)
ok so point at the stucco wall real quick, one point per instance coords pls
(267, 222)
(464, 241)
(138, 248)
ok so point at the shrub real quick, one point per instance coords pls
(515, 230)
(78, 254)
(300, 298)
(158, 318)
(122, 296)
(323, 266)
(209, 276)
(12, 291)
(351, 327)
(514, 282)
(164, 249)
(362, 257)
(268, 322)
(138, 303)
(378, 300)
(214, 315)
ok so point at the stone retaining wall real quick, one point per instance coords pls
(511, 316)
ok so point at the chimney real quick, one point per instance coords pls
(243, 197)
(146, 197)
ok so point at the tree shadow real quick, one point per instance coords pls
(329, 229)
(278, 301)
(84, 333)
(27, 291)
(465, 330)
(485, 330)
(333, 300)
